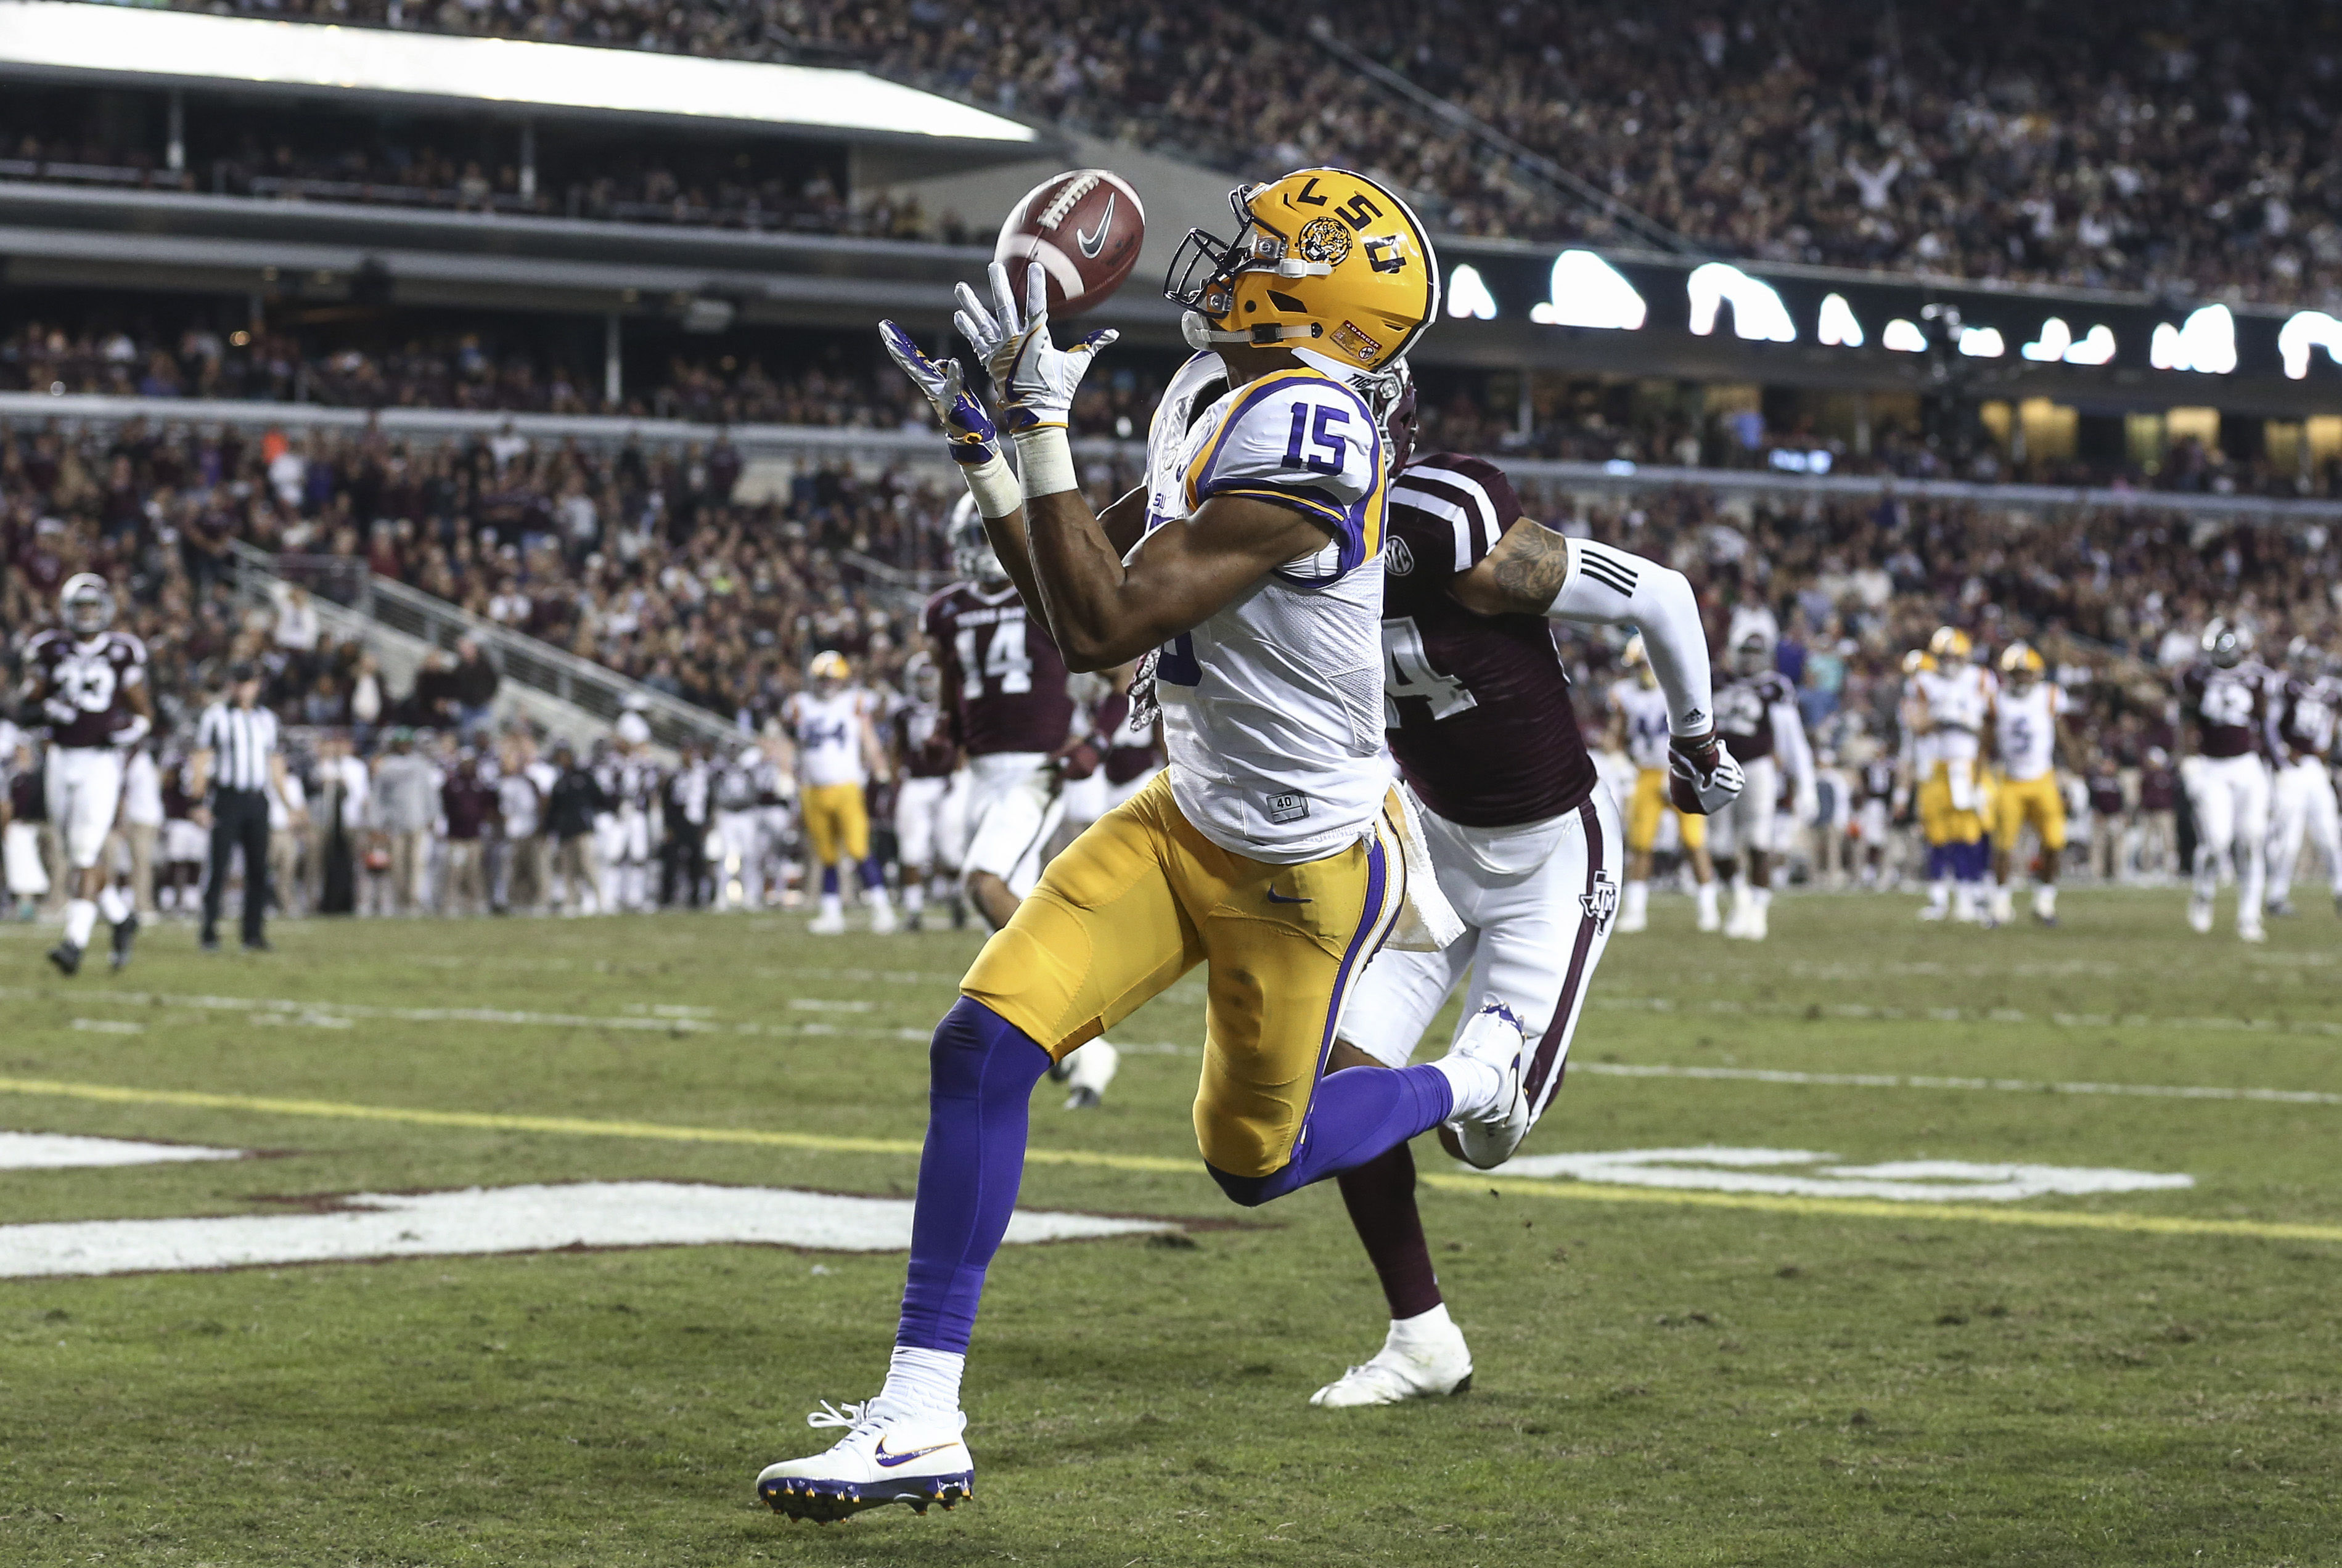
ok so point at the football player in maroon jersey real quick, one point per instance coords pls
(2224, 700)
(930, 801)
(2302, 795)
(1527, 844)
(87, 683)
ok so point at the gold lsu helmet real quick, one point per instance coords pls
(829, 665)
(2020, 659)
(1325, 261)
(1950, 645)
(1916, 661)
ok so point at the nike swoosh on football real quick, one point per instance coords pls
(1094, 241)
(891, 1460)
(1277, 897)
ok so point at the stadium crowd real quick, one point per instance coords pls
(2169, 148)
(651, 563)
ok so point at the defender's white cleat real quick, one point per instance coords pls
(1418, 1361)
(1487, 1135)
(916, 1460)
(2199, 915)
(1709, 920)
(1758, 924)
(1633, 922)
(2250, 931)
(1087, 1072)
(882, 919)
(828, 923)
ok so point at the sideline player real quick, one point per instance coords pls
(1274, 851)
(931, 791)
(1013, 706)
(1639, 719)
(1757, 719)
(1950, 697)
(1525, 842)
(2224, 698)
(2302, 795)
(88, 685)
(2027, 734)
(837, 756)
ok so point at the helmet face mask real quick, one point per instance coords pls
(1752, 654)
(973, 556)
(923, 679)
(85, 605)
(2226, 645)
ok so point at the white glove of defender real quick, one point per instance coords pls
(1033, 380)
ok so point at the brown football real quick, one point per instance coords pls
(1085, 227)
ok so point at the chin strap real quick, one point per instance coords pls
(1197, 329)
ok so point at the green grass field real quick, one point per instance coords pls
(1696, 1378)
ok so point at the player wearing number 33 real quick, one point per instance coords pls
(1527, 843)
(1245, 575)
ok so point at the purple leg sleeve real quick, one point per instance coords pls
(982, 1072)
(829, 879)
(1357, 1114)
(873, 876)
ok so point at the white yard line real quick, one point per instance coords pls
(1864, 1011)
(1917, 1081)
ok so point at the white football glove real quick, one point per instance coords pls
(1704, 780)
(1033, 380)
(972, 438)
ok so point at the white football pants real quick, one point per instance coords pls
(2231, 797)
(931, 821)
(1014, 806)
(1748, 823)
(84, 789)
(2303, 806)
(1538, 903)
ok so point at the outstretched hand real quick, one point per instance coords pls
(974, 440)
(1033, 379)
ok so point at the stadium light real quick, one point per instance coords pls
(2096, 348)
(1590, 292)
(1758, 313)
(2304, 331)
(1837, 326)
(118, 41)
(2204, 343)
(1903, 337)
(1467, 295)
(1982, 342)
(2050, 347)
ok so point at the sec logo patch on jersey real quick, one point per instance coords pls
(1397, 559)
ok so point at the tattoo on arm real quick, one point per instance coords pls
(1531, 562)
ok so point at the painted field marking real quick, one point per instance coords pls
(822, 1142)
(1721, 1170)
(66, 1152)
(525, 1219)
(108, 1026)
(1864, 1012)
(1919, 1081)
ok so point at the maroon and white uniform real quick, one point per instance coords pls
(1006, 684)
(2302, 803)
(930, 799)
(1133, 755)
(2227, 779)
(1480, 721)
(1757, 720)
(88, 682)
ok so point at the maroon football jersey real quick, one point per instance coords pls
(1744, 713)
(2306, 717)
(2230, 706)
(1001, 675)
(94, 677)
(1130, 753)
(923, 739)
(1478, 707)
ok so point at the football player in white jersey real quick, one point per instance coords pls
(87, 684)
(2028, 732)
(2224, 703)
(1639, 727)
(931, 789)
(839, 755)
(2302, 803)
(1951, 697)
(1274, 850)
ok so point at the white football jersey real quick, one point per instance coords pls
(828, 732)
(1273, 706)
(2025, 729)
(1958, 698)
(1645, 710)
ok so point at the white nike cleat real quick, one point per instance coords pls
(917, 1460)
(2199, 915)
(1487, 1138)
(1419, 1366)
(1088, 1069)
(882, 919)
(828, 923)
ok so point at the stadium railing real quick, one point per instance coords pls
(422, 623)
(918, 448)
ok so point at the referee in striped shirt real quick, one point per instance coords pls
(237, 761)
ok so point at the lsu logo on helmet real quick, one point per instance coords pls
(1326, 260)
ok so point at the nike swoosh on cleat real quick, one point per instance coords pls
(891, 1460)
(1094, 241)
(1277, 897)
